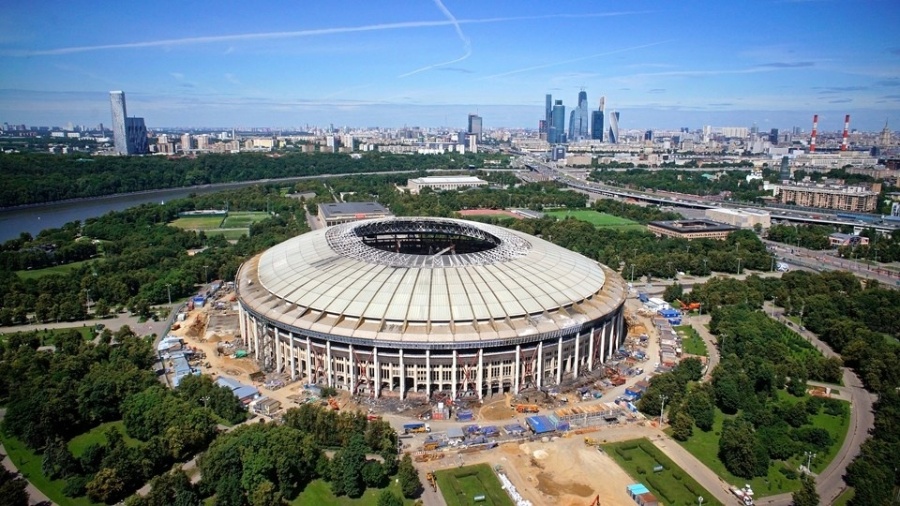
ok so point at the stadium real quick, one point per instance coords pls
(412, 306)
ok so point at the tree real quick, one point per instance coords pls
(372, 473)
(266, 494)
(740, 451)
(229, 493)
(410, 483)
(807, 495)
(682, 426)
(352, 461)
(106, 487)
(673, 292)
(12, 488)
(388, 498)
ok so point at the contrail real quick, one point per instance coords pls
(297, 34)
(467, 44)
(573, 60)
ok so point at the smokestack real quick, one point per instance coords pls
(815, 132)
(846, 133)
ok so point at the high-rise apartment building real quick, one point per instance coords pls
(475, 126)
(129, 134)
(578, 121)
(185, 142)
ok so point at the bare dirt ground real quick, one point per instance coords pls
(497, 410)
(564, 472)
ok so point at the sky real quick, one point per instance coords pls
(429, 63)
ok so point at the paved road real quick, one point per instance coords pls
(113, 323)
(35, 496)
(700, 324)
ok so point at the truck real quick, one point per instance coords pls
(527, 408)
(416, 428)
(643, 297)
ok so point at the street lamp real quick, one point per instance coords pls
(700, 501)
(662, 407)
(632, 274)
(809, 457)
(739, 266)
(169, 291)
(704, 267)
(206, 273)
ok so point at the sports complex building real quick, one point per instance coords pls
(412, 306)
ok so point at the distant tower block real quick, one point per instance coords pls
(846, 135)
(815, 132)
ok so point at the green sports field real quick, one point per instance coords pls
(596, 218)
(460, 486)
(198, 222)
(243, 219)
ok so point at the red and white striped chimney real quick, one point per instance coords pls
(815, 132)
(846, 136)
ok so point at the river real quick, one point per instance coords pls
(33, 219)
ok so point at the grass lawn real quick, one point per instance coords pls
(56, 269)
(596, 218)
(243, 219)
(79, 443)
(29, 465)
(705, 446)
(461, 485)
(671, 485)
(198, 222)
(319, 492)
(231, 234)
(844, 498)
(691, 341)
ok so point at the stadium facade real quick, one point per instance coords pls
(402, 306)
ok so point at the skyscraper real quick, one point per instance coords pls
(613, 137)
(557, 132)
(117, 104)
(129, 134)
(597, 121)
(475, 126)
(548, 112)
(578, 122)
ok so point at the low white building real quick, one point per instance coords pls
(741, 218)
(444, 183)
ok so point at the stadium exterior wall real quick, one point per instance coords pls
(461, 369)
(458, 365)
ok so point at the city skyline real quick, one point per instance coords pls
(433, 63)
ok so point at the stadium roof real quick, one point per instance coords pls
(333, 281)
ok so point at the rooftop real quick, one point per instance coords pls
(687, 226)
(335, 209)
(448, 180)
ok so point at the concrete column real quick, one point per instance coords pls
(453, 375)
(540, 364)
(603, 345)
(352, 369)
(377, 373)
(310, 376)
(329, 366)
(279, 353)
(427, 374)
(480, 374)
(256, 334)
(612, 338)
(516, 368)
(577, 365)
(293, 351)
(402, 377)
(591, 350)
(559, 361)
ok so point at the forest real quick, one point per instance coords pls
(31, 178)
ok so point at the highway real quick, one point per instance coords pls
(822, 217)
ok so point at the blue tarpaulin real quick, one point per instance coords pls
(539, 424)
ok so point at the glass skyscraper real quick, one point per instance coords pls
(556, 134)
(597, 121)
(578, 122)
(613, 128)
(129, 134)
(120, 138)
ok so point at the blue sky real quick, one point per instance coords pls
(662, 64)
